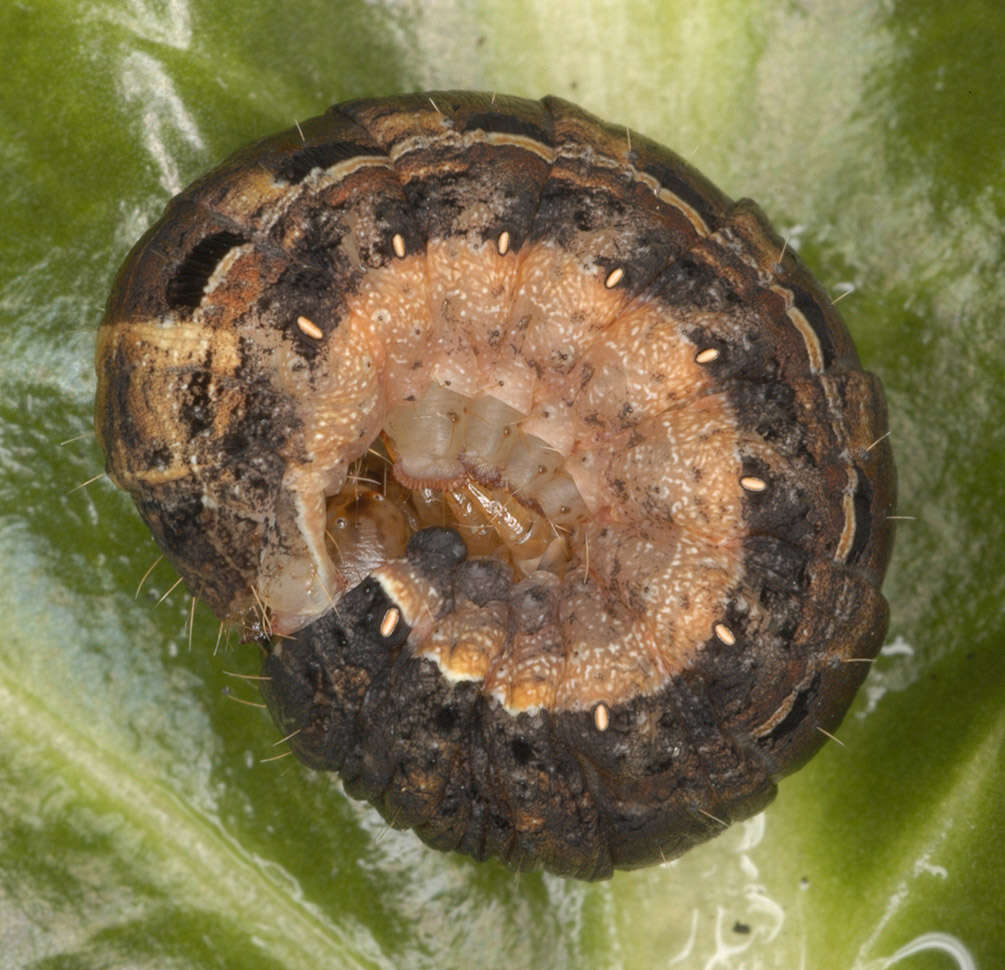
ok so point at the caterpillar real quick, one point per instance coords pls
(548, 480)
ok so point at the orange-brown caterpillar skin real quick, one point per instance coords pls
(553, 485)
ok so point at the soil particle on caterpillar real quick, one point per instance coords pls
(550, 482)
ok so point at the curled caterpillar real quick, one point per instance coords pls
(549, 482)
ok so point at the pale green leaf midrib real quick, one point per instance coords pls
(200, 861)
(921, 843)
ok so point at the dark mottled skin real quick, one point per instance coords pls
(540, 787)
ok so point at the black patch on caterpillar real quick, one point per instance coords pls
(772, 562)
(187, 532)
(754, 359)
(801, 710)
(394, 214)
(302, 162)
(767, 409)
(671, 179)
(566, 213)
(187, 283)
(304, 288)
(483, 580)
(784, 508)
(507, 124)
(436, 551)
(692, 282)
(810, 308)
(118, 421)
(196, 404)
(863, 499)
(258, 432)
(533, 605)
(437, 201)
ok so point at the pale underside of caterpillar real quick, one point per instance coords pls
(551, 486)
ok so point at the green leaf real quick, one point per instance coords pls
(142, 822)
